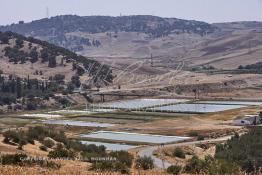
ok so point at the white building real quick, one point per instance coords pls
(248, 120)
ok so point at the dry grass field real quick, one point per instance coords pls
(207, 124)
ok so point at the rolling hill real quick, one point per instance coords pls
(104, 35)
(169, 40)
(25, 56)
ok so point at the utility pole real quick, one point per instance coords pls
(249, 47)
(152, 63)
(198, 92)
(195, 91)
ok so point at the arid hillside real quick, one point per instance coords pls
(23, 57)
(168, 40)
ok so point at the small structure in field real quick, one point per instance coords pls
(249, 120)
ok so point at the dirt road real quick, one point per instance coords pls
(148, 151)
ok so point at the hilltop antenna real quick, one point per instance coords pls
(47, 12)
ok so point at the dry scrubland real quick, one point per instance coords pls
(170, 73)
(167, 153)
(74, 170)
(67, 167)
(211, 125)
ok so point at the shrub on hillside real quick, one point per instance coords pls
(121, 162)
(43, 148)
(211, 166)
(40, 133)
(144, 163)
(178, 152)
(99, 150)
(35, 133)
(111, 166)
(174, 169)
(24, 160)
(13, 159)
(18, 137)
(61, 152)
(123, 156)
(200, 137)
(48, 143)
(193, 134)
(195, 166)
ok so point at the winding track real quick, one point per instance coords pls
(148, 151)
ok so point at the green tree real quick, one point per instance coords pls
(34, 55)
(195, 166)
(44, 55)
(145, 163)
(178, 152)
(4, 38)
(52, 61)
(48, 143)
(76, 81)
(18, 88)
(174, 169)
(19, 43)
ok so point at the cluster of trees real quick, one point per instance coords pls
(211, 165)
(4, 39)
(144, 163)
(23, 137)
(208, 165)
(76, 43)
(63, 147)
(245, 150)
(100, 73)
(24, 160)
(121, 161)
(16, 55)
(257, 67)
(61, 25)
(11, 89)
(96, 43)
(83, 41)
(29, 92)
(241, 154)
(252, 66)
(201, 68)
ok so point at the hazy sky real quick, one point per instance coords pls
(11, 11)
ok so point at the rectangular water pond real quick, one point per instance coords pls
(111, 146)
(78, 123)
(140, 103)
(47, 116)
(197, 108)
(89, 111)
(248, 103)
(134, 137)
